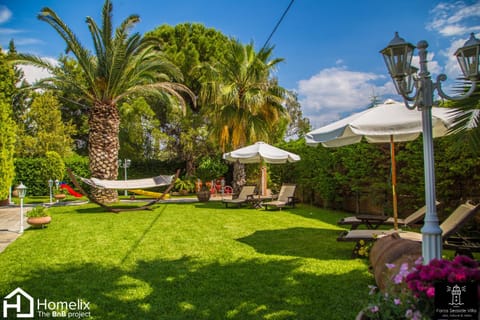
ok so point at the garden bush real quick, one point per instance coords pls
(35, 172)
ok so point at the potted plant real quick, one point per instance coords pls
(38, 217)
(184, 186)
(59, 194)
(208, 169)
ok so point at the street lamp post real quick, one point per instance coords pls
(50, 185)
(10, 202)
(125, 164)
(398, 57)
(22, 191)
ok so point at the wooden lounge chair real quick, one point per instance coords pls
(243, 196)
(452, 224)
(374, 221)
(463, 245)
(449, 226)
(286, 197)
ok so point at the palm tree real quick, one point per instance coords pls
(122, 64)
(247, 103)
(467, 118)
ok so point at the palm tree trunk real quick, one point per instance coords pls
(239, 176)
(103, 145)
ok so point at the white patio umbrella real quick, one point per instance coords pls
(261, 152)
(389, 122)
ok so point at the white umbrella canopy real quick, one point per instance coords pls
(389, 122)
(379, 124)
(260, 152)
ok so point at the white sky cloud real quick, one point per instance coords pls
(455, 18)
(9, 31)
(33, 74)
(5, 14)
(335, 91)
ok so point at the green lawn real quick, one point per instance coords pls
(191, 261)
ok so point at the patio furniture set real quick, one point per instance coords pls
(248, 196)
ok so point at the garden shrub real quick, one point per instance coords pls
(35, 172)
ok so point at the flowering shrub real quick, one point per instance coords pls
(423, 278)
(362, 249)
(411, 292)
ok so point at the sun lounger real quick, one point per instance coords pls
(463, 245)
(243, 196)
(374, 221)
(452, 224)
(286, 197)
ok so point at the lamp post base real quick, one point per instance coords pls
(431, 246)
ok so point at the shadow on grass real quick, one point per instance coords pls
(217, 204)
(98, 209)
(186, 289)
(298, 242)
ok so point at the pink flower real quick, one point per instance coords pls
(431, 292)
(398, 279)
(417, 315)
(461, 276)
(374, 309)
(397, 301)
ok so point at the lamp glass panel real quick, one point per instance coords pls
(398, 59)
(468, 60)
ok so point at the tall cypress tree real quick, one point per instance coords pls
(7, 127)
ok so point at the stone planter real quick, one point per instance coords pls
(39, 222)
(60, 196)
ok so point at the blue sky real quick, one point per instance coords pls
(331, 48)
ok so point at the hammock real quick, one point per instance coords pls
(125, 185)
(147, 183)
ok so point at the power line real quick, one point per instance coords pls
(278, 23)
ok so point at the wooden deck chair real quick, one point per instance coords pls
(374, 221)
(125, 185)
(243, 197)
(449, 226)
(286, 197)
(452, 224)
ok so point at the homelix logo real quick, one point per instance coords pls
(19, 304)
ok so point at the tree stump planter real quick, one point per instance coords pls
(392, 250)
(203, 195)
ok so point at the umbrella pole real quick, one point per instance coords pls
(394, 183)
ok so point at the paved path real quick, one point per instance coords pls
(10, 225)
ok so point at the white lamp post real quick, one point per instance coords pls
(10, 202)
(125, 164)
(398, 57)
(22, 191)
(50, 185)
